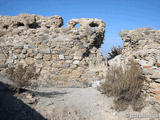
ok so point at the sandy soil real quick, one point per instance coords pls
(53, 103)
(75, 104)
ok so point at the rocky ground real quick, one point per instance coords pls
(80, 104)
(73, 104)
(51, 103)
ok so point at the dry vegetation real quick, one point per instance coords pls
(21, 75)
(125, 86)
(114, 52)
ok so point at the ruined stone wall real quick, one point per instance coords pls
(143, 46)
(66, 56)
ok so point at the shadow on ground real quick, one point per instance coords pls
(47, 94)
(12, 108)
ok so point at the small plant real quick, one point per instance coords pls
(114, 52)
(21, 75)
(125, 86)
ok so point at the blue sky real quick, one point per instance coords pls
(118, 14)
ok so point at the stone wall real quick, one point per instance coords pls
(143, 46)
(65, 56)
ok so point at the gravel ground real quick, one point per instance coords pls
(53, 103)
(81, 103)
(75, 104)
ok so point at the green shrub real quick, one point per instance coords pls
(114, 52)
(125, 86)
(21, 75)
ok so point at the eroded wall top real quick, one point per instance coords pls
(61, 54)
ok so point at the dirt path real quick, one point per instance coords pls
(63, 104)
(74, 104)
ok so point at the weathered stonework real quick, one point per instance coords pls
(143, 46)
(63, 56)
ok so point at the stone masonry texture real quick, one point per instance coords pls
(143, 46)
(64, 56)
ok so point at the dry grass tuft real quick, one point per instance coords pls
(125, 86)
(21, 75)
(114, 52)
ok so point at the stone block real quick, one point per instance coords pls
(147, 67)
(77, 58)
(17, 51)
(38, 70)
(79, 54)
(39, 56)
(24, 51)
(158, 58)
(68, 57)
(61, 57)
(30, 53)
(68, 61)
(65, 65)
(3, 66)
(22, 56)
(73, 66)
(156, 92)
(9, 61)
(45, 51)
(154, 85)
(25, 47)
(158, 97)
(14, 57)
(29, 61)
(76, 62)
(2, 57)
(62, 51)
(47, 57)
(157, 80)
(158, 64)
(75, 74)
(155, 75)
(145, 63)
